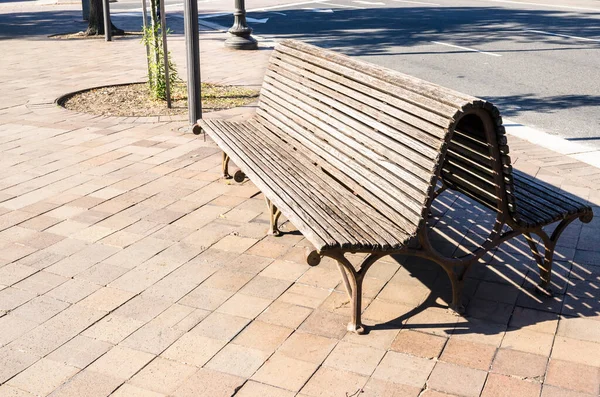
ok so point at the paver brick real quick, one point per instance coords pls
(355, 358)
(332, 382)
(418, 344)
(528, 341)
(251, 389)
(380, 388)
(238, 360)
(404, 369)
(263, 336)
(88, 382)
(307, 347)
(468, 354)
(501, 385)
(572, 376)
(128, 390)
(163, 376)
(521, 364)
(206, 382)
(553, 391)
(43, 377)
(193, 349)
(285, 372)
(80, 351)
(244, 306)
(121, 362)
(454, 379)
(578, 351)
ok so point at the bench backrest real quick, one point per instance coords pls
(380, 133)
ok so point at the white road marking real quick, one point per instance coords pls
(283, 6)
(343, 5)
(254, 20)
(562, 35)
(326, 10)
(215, 15)
(370, 3)
(467, 49)
(546, 5)
(417, 2)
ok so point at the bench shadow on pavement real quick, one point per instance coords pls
(499, 290)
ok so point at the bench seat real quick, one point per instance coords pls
(539, 205)
(337, 217)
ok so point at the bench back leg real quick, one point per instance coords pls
(545, 262)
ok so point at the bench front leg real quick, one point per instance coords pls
(225, 166)
(354, 285)
(274, 215)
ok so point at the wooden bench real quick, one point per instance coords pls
(353, 155)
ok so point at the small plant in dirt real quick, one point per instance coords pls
(157, 81)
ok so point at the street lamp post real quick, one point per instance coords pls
(240, 33)
(107, 24)
(190, 11)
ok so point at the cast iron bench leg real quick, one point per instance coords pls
(545, 263)
(353, 286)
(274, 215)
(225, 165)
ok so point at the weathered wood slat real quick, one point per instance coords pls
(413, 89)
(520, 177)
(360, 211)
(355, 205)
(336, 200)
(348, 161)
(313, 232)
(346, 174)
(355, 115)
(426, 131)
(339, 225)
(370, 144)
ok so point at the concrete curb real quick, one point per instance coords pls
(576, 150)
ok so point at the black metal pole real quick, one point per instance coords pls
(190, 11)
(145, 25)
(163, 28)
(107, 24)
(240, 33)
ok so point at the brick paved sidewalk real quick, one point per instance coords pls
(127, 266)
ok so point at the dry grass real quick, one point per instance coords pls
(135, 100)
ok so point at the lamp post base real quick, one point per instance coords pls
(242, 41)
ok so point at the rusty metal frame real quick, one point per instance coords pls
(274, 214)
(225, 166)
(455, 267)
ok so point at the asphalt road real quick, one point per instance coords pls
(537, 60)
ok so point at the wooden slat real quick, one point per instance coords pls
(382, 151)
(336, 200)
(521, 177)
(313, 232)
(355, 111)
(339, 225)
(298, 158)
(347, 175)
(399, 200)
(419, 89)
(427, 131)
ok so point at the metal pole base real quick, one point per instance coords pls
(243, 41)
